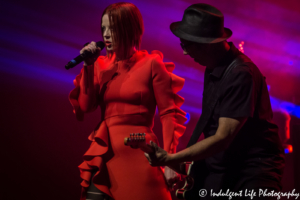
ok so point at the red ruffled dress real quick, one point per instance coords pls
(128, 93)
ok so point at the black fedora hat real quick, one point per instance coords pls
(201, 23)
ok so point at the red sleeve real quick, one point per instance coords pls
(84, 96)
(165, 86)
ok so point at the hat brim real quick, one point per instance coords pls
(181, 34)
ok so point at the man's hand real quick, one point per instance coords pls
(171, 177)
(158, 157)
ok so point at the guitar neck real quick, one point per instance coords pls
(146, 148)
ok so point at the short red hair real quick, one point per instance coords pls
(127, 24)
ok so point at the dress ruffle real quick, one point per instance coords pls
(177, 85)
(93, 158)
(94, 161)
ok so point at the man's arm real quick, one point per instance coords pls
(227, 130)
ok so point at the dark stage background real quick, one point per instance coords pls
(42, 143)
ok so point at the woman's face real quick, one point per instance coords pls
(107, 33)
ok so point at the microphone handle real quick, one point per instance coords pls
(75, 61)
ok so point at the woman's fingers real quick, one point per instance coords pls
(93, 50)
(91, 47)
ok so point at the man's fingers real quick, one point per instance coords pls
(154, 145)
(148, 158)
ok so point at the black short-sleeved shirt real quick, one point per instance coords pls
(256, 150)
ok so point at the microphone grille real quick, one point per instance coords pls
(100, 44)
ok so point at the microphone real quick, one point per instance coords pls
(82, 56)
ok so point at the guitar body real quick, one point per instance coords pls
(189, 182)
(194, 181)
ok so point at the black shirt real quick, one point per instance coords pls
(256, 146)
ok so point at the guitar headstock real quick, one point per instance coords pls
(135, 139)
(138, 140)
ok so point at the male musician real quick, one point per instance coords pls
(241, 150)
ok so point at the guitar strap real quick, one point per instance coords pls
(213, 99)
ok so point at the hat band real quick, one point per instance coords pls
(212, 32)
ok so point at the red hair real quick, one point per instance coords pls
(127, 24)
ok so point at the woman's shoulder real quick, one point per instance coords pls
(155, 54)
(153, 58)
(156, 63)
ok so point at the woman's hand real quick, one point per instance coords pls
(93, 53)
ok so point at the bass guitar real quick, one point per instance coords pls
(191, 188)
